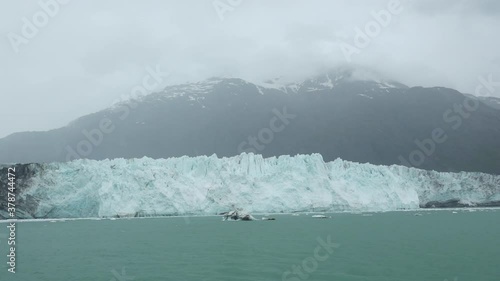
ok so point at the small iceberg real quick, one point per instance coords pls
(237, 215)
(319, 216)
(268, 219)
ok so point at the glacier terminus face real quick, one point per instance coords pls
(210, 185)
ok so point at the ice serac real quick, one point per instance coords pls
(208, 185)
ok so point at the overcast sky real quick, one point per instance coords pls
(89, 53)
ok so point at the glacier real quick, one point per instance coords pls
(209, 185)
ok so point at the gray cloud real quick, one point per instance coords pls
(91, 52)
(465, 7)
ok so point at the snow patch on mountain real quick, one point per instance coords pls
(198, 88)
(363, 95)
(196, 92)
(279, 84)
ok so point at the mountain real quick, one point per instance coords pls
(210, 185)
(337, 114)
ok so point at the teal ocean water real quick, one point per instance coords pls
(437, 246)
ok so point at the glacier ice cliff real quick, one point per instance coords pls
(208, 185)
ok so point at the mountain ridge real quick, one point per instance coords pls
(337, 115)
